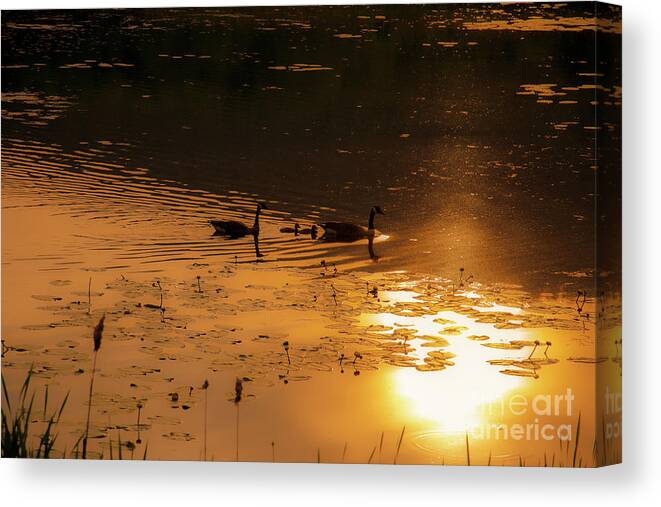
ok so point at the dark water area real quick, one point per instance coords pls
(474, 127)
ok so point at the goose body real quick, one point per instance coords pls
(232, 228)
(236, 229)
(346, 231)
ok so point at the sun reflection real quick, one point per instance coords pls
(455, 399)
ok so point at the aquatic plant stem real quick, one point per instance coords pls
(139, 440)
(468, 452)
(89, 406)
(578, 436)
(205, 387)
(381, 445)
(97, 335)
(237, 432)
(399, 445)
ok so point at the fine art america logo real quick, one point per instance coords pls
(546, 417)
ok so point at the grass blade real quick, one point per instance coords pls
(399, 445)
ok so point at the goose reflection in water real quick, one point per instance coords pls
(370, 249)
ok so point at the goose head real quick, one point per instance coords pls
(262, 205)
(378, 210)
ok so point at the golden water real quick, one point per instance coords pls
(471, 329)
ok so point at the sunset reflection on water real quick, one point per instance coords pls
(480, 292)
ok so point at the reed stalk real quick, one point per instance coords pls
(381, 445)
(578, 436)
(139, 440)
(238, 393)
(399, 445)
(468, 452)
(97, 336)
(286, 347)
(205, 386)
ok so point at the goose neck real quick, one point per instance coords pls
(370, 224)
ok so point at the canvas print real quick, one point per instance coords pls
(375, 234)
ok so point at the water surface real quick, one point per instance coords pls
(474, 128)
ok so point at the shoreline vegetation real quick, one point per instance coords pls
(20, 438)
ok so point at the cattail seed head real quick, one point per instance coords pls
(205, 386)
(238, 390)
(285, 345)
(98, 333)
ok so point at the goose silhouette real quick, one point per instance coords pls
(348, 232)
(236, 229)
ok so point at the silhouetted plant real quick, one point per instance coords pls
(546, 350)
(286, 346)
(534, 348)
(89, 296)
(138, 440)
(238, 394)
(399, 445)
(468, 452)
(205, 386)
(16, 425)
(96, 336)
